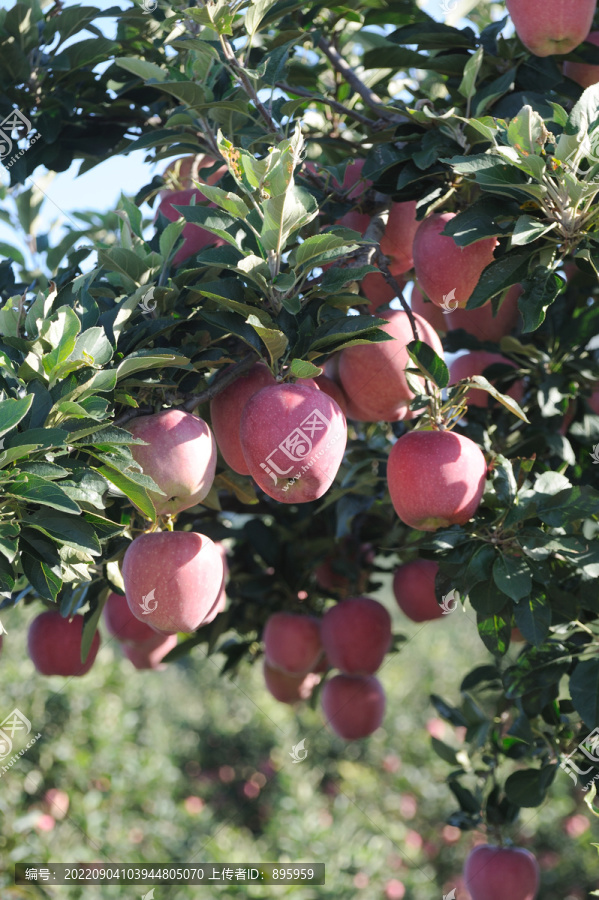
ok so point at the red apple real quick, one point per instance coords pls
(414, 589)
(221, 601)
(353, 183)
(292, 643)
(172, 579)
(226, 410)
(353, 705)
(149, 654)
(195, 238)
(398, 238)
(475, 363)
(427, 310)
(180, 456)
(330, 387)
(436, 479)
(549, 27)
(293, 439)
(356, 635)
(584, 73)
(497, 873)
(481, 322)
(373, 286)
(181, 173)
(289, 688)
(54, 645)
(593, 402)
(373, 376)
(446, 272)
(122, 624)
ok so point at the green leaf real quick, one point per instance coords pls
(528, 230)
(533, 618)
(512, 576)
(72, 531)
(335, 278)
(230, 202)
(134, 491)
(142, 68)
(34, 489)
(275, 341)
(316, 245)
(471, 69)
(285, 214)
(149, 359)
(504, 481)
(256, 13)
(430, 364)
(42, 577)
(584, 690)
(527, 132)
(528, 787)
(541, 289)
(90, 626)
(446, 752)
(495, 631)
(13, 411)
(301, 368)
(9, 543)
(500, 275)
(479, 382)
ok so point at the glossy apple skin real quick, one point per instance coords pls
(289, 688)
(353, 705)
(180, 456)
(293, 439)
(397, 242)
(183, 569)
(550, 27)
(330, 387)
(475, 363)
(122, 624)
(292, 643)
(497, 873)
(429, 311)
(585, 74)
(54, 645)
(443, 267)
(356, 635)
(149, 654)
(373, 376)
(414, 589)
(482, 324)
(436, 479)
(220, 603)
(227, 408)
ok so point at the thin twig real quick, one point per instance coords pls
(238, 67)
(368, 96)
(133, 414)
(334, 104)
(220, 383)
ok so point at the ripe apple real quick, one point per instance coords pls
(176, 575)
(289, 688)
(584, 73)
(356, 635)
(495, 873)
(195, 238)
(292, 643)
(549, 27)
(398, 239)
(180, 456)
(353, 705)
(414, 589)
(221, 601)
(122, 624)
(149, 654)
(446, 272)
(54, 645)
(436, 479)
(427, 310)
(372, 375)
(330, 387)
(475, 363)
(373, 286)
(353, 183)
(226, 410)
(482, 324)
(293, 439)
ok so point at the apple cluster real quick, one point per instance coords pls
(352, 637)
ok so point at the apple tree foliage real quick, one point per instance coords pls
(289, 93)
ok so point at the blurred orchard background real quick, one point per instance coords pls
(182, 765)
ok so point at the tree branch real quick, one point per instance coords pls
(238, 67)
(220, 383)
(334, 104)
(368, 96)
